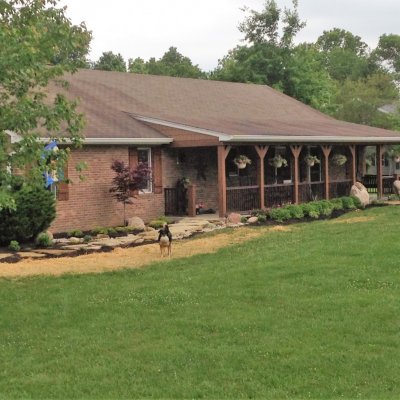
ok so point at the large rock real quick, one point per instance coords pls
(136, 223)
(360, 191)
(252, 220)
(234, 218)
(396, 187)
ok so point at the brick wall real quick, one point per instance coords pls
(90, 203)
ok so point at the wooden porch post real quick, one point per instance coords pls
(296, 149)
(261, 151)
(352, 148)
(379, 179)
(222, 154)
(326, 150)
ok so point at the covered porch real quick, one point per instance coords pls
(308, 172)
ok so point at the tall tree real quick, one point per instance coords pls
(172, 63)
(359, 101)
(388, 52)
(38, 45)
(346, 55)
(109, 61)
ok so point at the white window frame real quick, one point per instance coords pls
(149, 188)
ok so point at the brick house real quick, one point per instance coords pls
(195, 129)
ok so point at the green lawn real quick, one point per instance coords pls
(310, 313)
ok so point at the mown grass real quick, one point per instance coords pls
(310, 313)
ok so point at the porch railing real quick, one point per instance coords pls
(242, 198)
(340, 188)
(278, 194)
(370, 182)
(309, 191)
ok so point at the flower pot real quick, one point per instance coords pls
(241, 165)
(396, 159)
(310, 163)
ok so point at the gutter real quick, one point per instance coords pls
(312, 139)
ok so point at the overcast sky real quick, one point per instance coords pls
(204, 30)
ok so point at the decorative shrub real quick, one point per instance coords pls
(99, 230)
(14, 246)
(87, 238)
(75, 233)
(357, 202)
(35, 210)
(296, 211)
(325, 207)
(43, 240)
(262, 218)
(123, 229)
(348, 203)
(243, 220)
(337, 204)
(280, 214)
(112, 232)
(256, 213)
(157, 224)
(311, 210)
(166, 219)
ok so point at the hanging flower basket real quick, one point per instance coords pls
(339, 159)
(242, 161)
(278, 162)
(394, 152)
(311, 160)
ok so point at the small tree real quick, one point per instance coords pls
(128, 182)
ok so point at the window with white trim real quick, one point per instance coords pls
(144, 157)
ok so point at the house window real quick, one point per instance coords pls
(144, 157)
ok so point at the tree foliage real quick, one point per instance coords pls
(127, 182)
(359, 101)
(39, 44)
(172, 63)
(109, 61)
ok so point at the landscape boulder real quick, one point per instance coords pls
(234, 218)
(360, 191)
(252, 220)
(136, 223)
(396, 187)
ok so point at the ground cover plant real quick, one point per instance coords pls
(308, 311)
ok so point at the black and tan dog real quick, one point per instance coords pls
(165, 241)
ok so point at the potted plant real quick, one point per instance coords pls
(241, 161)
(311, 160)
(339, 159)
(278, 161)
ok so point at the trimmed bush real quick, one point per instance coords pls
(43, 240)
(112, 232)
(348, 203)
(357, 202)
(75, 233)
(99, 230)
(280, 214)
(311, 210)
(256, 213)
(243, 220)
(35, 211)
(296, 211)
(87, 238)
(337, 204)
(325, 207)
(262, 218)
(157, 224)
(14, 246)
